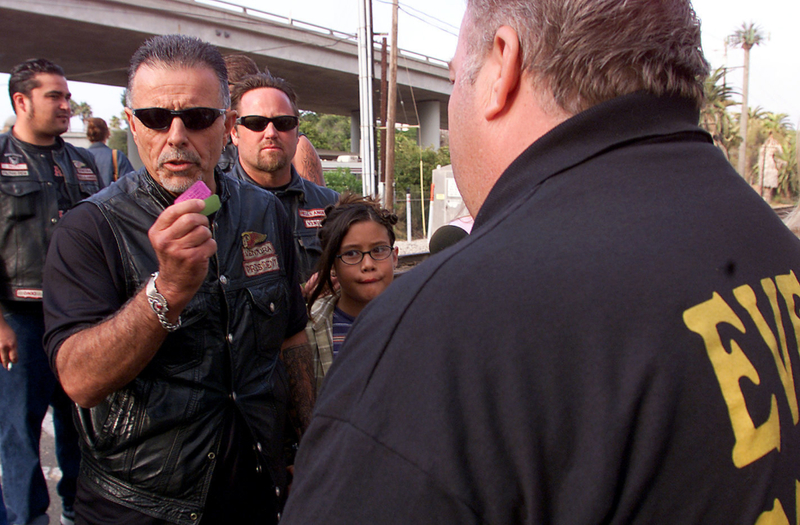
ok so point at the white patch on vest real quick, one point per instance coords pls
(259, 257)
(27, 293)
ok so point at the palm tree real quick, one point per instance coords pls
(82, 110)
(746, 37)
(714, 116)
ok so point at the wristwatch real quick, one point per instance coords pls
(159, 305)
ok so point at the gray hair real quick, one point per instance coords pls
(584, 52)
(179, 51)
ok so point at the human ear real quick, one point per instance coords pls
(19, 102)
(131, 123)
(505, 64)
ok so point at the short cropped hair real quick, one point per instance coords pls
(179, 51)
(261, 80)
(97, 130)
(588, 51)
(240, 66)
(23, 76)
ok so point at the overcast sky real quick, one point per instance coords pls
(775, 68)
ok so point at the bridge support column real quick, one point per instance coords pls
(355, 132)
(430, 118)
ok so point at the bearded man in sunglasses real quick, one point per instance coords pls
(173, 324)
(266, 135)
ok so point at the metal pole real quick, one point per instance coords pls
(408, 214)
(391, 110)
(365, 62)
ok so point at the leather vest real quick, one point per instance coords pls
(153, 444)
(29, 207)
(305, 203)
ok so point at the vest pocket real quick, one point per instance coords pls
(184, 348)
(24, 196)
(270, 314)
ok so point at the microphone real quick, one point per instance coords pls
(445, 237)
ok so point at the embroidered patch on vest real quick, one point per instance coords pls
(84, 173)
(313, 217)
(27, 293)
(13, 166)
(57, 173)
(259, 254)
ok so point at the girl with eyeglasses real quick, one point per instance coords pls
(358, 252)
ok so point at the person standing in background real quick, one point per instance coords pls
(41, 178)
(112, 163)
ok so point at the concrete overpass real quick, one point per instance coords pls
(93, 41)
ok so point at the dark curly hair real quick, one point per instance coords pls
(350, 209)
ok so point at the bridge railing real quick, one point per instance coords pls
(252, 11)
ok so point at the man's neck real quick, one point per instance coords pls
(28, 135)
(272, 180)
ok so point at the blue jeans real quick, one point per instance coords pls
(3, 519)
(25, 393)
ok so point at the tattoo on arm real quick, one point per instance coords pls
(299, 364)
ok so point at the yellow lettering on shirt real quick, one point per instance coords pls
(746, 297)
(776, 516)
(751, 442)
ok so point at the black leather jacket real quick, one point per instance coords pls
(153, 444)
(29, 207)
(305, 203)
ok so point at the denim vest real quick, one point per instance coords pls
(153, 444)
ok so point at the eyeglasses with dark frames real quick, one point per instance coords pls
(259, 123)
(195, 119)
(378, 253)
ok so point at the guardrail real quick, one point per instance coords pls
(252, 11)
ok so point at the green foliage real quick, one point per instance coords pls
(342, 180)
(747, 36)
(118, 140)
(714, 116)
(329, 132)
(82, 110)
(407, 175)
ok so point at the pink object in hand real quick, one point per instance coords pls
(198, 190)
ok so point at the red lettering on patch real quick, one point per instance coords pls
(259, 254)
(315, 212)
(313, 223)
(261, 266)
(27, 293)
(85, 174)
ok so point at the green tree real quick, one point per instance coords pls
(407, 175)
(342, 180)
(327, 132)
(715, 117)
(82, 110)
(746, 37)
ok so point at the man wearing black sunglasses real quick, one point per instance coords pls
(177, 325)
(266, 135)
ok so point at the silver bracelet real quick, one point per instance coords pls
(159, 305)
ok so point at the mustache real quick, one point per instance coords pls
(179, 156)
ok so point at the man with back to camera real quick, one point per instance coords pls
(266, 134)
(41, 177)
(173, 336)
(617, 339)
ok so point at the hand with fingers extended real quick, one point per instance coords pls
(183, 243)
(8, 345)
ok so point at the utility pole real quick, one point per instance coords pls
(384, 98)
(365, 61)
(391, 114)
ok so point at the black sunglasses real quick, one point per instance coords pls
(259, 123)
(195, 119)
